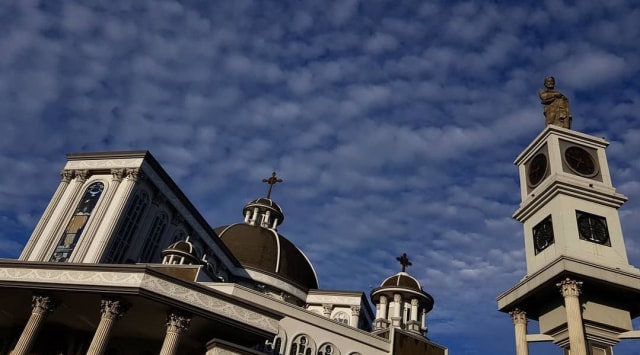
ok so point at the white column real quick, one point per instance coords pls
(111, 311)
(396, 319)
(40, 306)
(177, 324)
(414, 309)
(355, 316)
(383, 307)
(65, 178)
(413, 324)
(519, 318)
(423, 322)
(98, 216)
(570, 290)
(56, 232)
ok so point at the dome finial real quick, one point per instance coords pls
(271, 181)
(404, 261)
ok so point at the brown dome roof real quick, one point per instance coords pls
(267, 251)
(183, 248)
(402, 279)
(404, 284)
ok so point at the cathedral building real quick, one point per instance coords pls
(121, 262)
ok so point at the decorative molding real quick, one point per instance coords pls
(335, 299)
(209, 303)
(260, 277)
(141, 280)
(518, 316)
(178, 322)
(397, 297)
(117, 174)
(42, 304)
(72, 277)
(104, 164)
(415, 302)
(66, 175)
(570, 288)
(112, 308)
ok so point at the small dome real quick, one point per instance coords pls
(181, 250)
(402, 279)
(265, 250)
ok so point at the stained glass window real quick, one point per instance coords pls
(78, 222)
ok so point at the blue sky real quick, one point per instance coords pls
(393, 123)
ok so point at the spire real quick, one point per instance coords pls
(271, 181)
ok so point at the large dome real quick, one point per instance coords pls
(265, 250)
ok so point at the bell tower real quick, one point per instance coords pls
(579, 284)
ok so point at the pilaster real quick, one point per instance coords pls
(65, 178)
(71, 192)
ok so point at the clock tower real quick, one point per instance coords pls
(579, 284)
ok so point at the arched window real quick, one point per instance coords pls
(131, 221)
(302, 345)
(75, 227)
(150, 247)
(328, 349)
(341, 317)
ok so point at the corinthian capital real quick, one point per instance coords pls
(134, 174)
(82, 175)
(112, 309)
(66, 175)
(518, 316)
(117, 174)
(178, 322)
(42, 304)
(570, 288)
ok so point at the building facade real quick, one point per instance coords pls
(121, 262)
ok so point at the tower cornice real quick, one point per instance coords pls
(559, 184)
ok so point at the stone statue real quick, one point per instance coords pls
(556, 105)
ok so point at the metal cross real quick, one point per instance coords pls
(271, 181)
(404, 261)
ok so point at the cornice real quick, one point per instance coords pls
(559, 184)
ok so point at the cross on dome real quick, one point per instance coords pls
(271, 181)
(404, 261)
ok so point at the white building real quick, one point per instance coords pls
(122, 263)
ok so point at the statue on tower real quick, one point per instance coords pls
(556, 105)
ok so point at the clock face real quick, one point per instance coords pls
(580, 161)
(593, 228)
(537, 169)
(543, 235)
